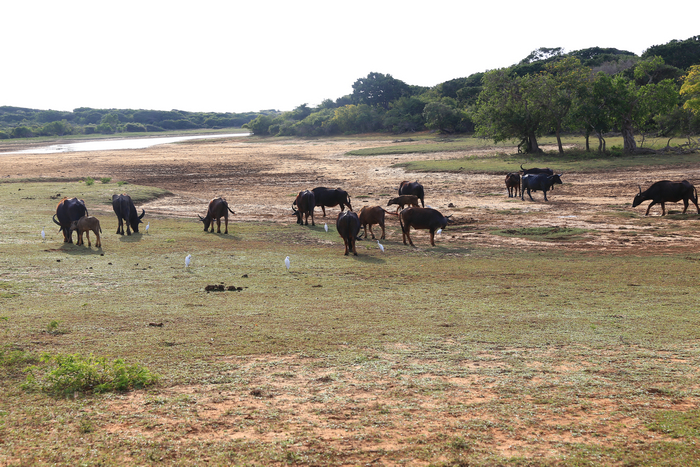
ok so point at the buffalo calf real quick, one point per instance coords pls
(412, 188)
(84, 225)
(404, 200)
(370, 216)
(513, 184)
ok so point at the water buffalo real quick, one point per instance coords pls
(539, 182)
(513, 184)
(414, 188)
(127, 214)
(403, 200)
(667, 192)
(218, 208)
(84, 225)
(330, 197)
(67, 211)
(370, 215)
(305, 202)
(348, 225)
(421, 218)
(536, 171)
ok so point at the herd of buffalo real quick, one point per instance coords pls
(72, 215)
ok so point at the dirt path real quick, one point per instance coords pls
(261, 177)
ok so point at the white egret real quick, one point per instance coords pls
(188, 258)
(147, 226)
(325, 226)
(439, 231)
(43, 234)
(381, 247)
(287, 262)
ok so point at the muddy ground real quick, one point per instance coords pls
(261, 177)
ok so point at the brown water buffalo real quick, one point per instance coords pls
(84, 225)
(513, 184)
(667, 192)
(305, 202)
(370, 215)
(403, 200)
(348, 226)
(218, 208)
(67, 211)
(421, 218)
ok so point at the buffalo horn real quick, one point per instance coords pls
(143, 211)
(295, 211)
(640, 189)
(200, 218)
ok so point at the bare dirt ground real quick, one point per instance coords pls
(259, 178)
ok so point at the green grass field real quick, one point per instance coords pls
(594, 355)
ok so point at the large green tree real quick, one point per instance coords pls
(378, 89)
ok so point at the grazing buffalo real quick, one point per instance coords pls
(415, 188)
(218, 208)
(348, 225)
(84, 225)
(404, 200)
(126, 213)
(421, 218)
(535, 171)
(67, 211)
(370, 216)
(539, 182)
(306, 202)
(667, 192)
(513, 184)
(330, 197)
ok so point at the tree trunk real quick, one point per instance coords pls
(588, 147)
(601, 142)
(532, 146)
(561, 148)
(628, 135)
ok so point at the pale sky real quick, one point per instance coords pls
(240, 56)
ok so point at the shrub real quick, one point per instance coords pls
(4, 135)
(89, 181)
(64, 375)
(134, 127)
(106, 180)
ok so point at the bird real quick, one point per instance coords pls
(188, 258)
(439, 231)
(287, 262)
(147, 226)
(325, 226)
(381, 247)
(43, 234)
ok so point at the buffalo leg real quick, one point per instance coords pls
(383, 231)
(87, 234)
(352, 243)
(432, 238)
(218, 225)
(98, 242)
(370, 232)
(545, 195)
(323, 208)
(312, 219)
(120, 228)
(649, 207)
(226, 224)
(128, 228)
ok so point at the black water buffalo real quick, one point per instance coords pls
(126, 213)
(667, 192)
(218, 208)
(67, 211)
(348, 225)
(330, 197)
(413, 188)
(421, 218)
(539, 182)
(513, 184)
(305, 202)
(535, 171)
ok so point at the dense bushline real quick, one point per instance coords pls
(18, 122)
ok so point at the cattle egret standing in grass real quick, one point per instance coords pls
(43, 234)
(287, 263)
(325, 226)
(188, 258)
(439, 231)
(381, 247)
(147, 226)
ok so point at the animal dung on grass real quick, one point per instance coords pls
(222, 288)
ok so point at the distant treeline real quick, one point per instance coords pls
(593, 91)
(18, 122)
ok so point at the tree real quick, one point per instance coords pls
(690, 89)
(442, 115)
(509, 108)
(378, 90)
